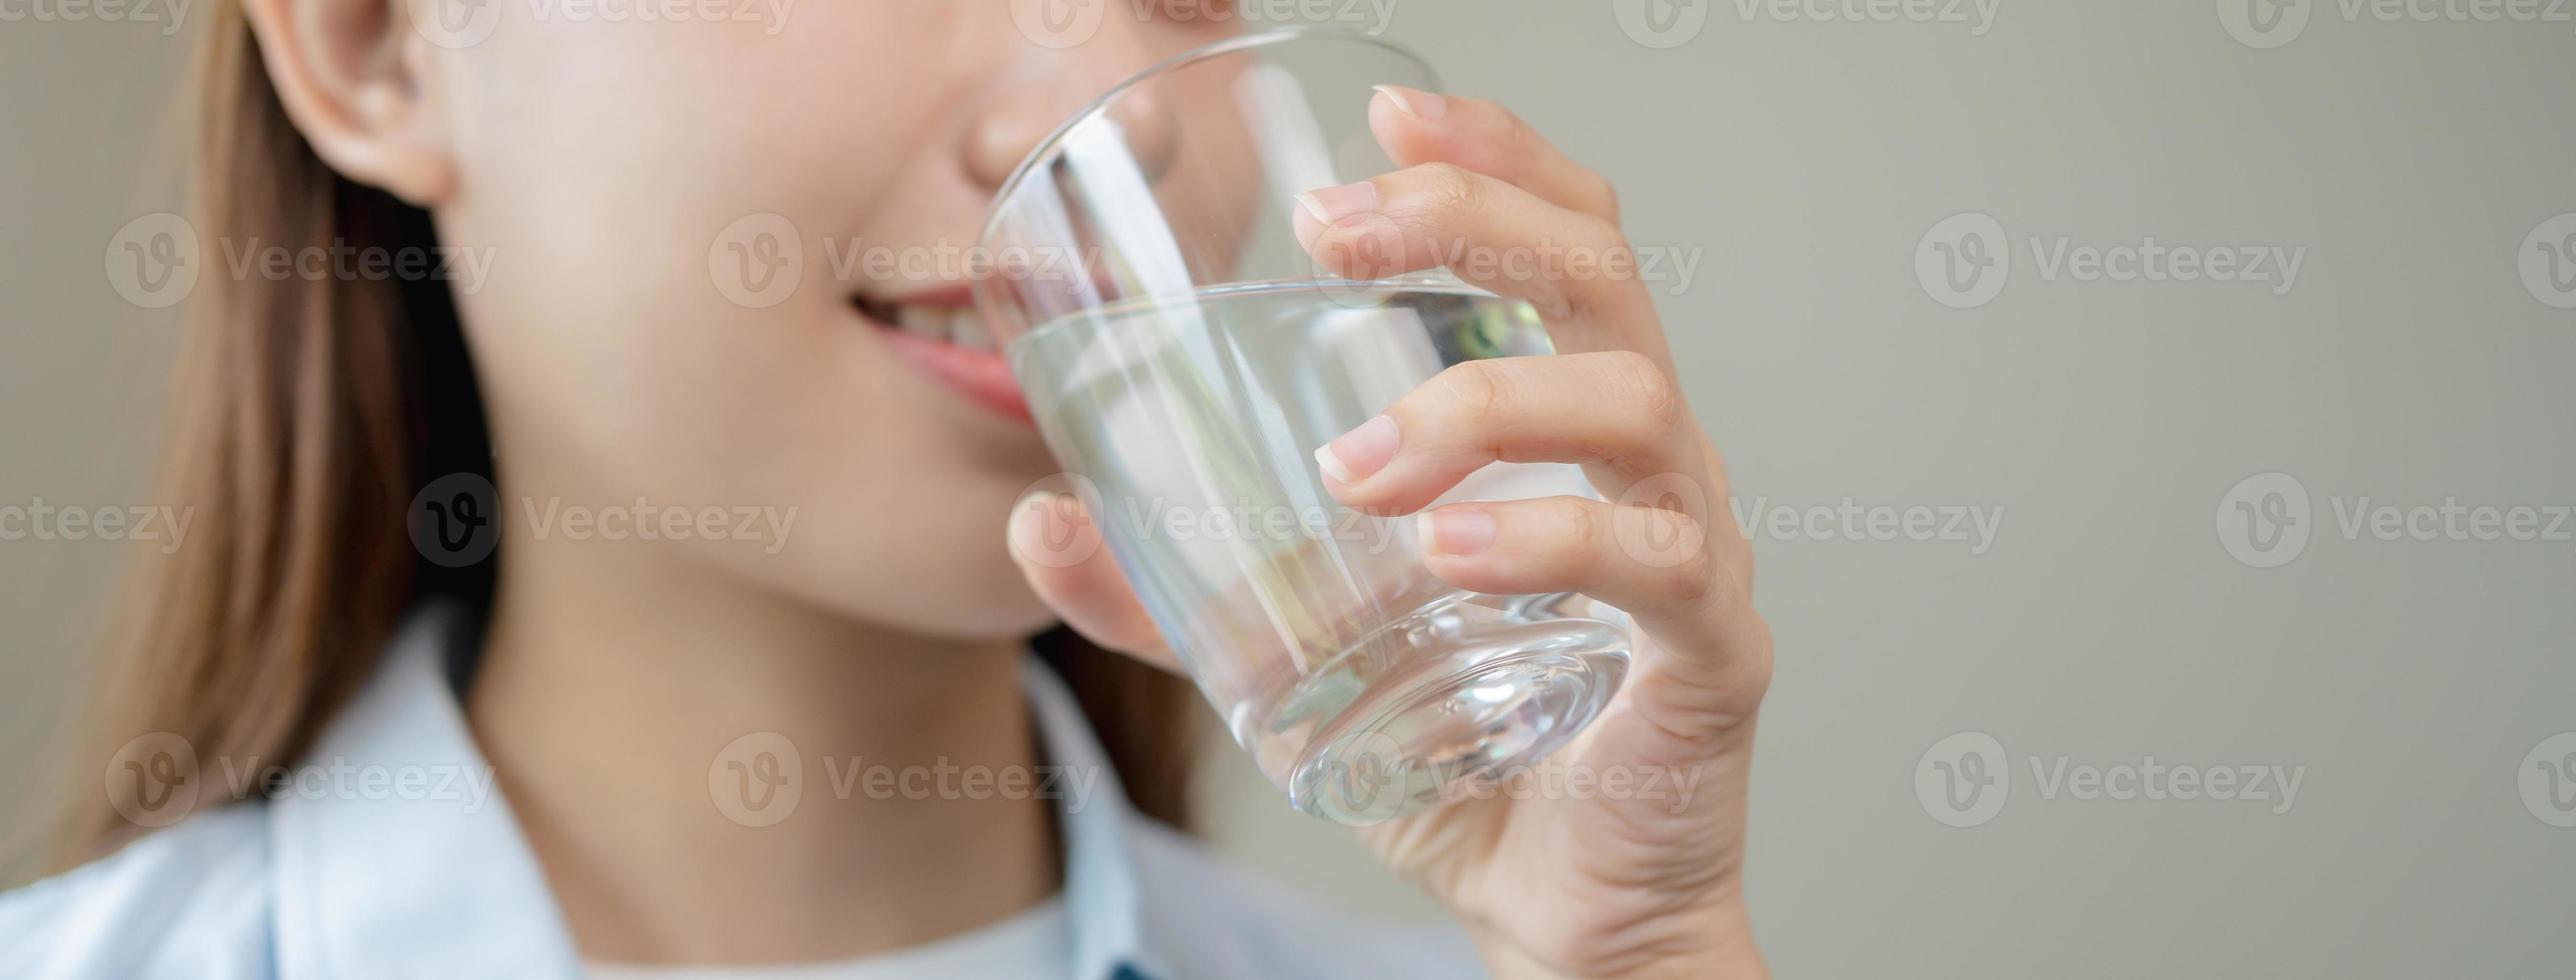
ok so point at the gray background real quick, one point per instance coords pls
(2106, 421)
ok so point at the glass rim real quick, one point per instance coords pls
(1049, 147)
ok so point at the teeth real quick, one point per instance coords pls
(923, 321)
(963, 328)
(967, 330)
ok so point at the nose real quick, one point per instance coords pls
(1030, 100)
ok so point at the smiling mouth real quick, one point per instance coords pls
(940, 334)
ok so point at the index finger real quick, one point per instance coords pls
(1417, 127)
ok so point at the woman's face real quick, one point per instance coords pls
(685, 220)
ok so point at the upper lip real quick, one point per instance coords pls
(958, 296)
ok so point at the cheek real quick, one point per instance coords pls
(608, 171)
(604, 166)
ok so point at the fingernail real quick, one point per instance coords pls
(1333, 205)
(1361, 451)
(1417, 103)
(1456, 532)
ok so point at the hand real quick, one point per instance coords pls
(1552, 882)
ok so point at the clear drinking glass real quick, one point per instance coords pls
(1184, 359)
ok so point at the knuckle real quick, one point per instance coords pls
(1695, 581)
(1479, 393)
(1606, 231)
(1579, 530)
(1453, 189)
(1551, 300)
(1604, 194)
(1657, 398)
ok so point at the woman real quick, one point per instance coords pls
(607, 680)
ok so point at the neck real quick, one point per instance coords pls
(619, 697)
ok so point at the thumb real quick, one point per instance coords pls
(1058, 548)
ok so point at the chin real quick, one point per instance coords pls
(989, 623)
(991, 609)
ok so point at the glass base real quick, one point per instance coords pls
(1483, 692)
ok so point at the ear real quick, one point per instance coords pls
(352, 75)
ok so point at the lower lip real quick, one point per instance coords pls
(980, 375)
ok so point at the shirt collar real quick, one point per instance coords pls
(396, 855)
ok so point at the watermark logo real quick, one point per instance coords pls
(2548, 262)
(1964, 261)
(171, 15)
(1979, 15)
(757, 261)
(1974, 525)
(2547, 779)
(152, 780)
(2268, 24)
(43, 520)
(455, 24)
(454, 521)
(1366, 779)
(2264, 24)
(1963, 780)
(153, 262)
(1059, 24)
(757, 780)
(158, 778)
(1052, 523)
(2264, 521)
(1661, 24)
(1659, 543)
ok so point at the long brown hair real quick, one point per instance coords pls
(304, 416)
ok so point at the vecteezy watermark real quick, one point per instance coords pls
(1661, 24)
(153, 261)
(251, 258)
(41, 520)
(2547, 779)
(1965, 780)
(643, 520)
(1974, 525)
(1370, 779)
(168, 15)
(2264, 24)
(2266, 520)
(1063, 24)
(156, 779)
(2548, 262)
(1071, 514)
(2267, 24)
(1348, 265)
(455, 520)
(760, 779)
(1964, 261)
(156, 261)
(466, 23)
(759, 260)
(1977, 15)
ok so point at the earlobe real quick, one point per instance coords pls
(354, 78)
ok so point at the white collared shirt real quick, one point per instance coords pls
(439, 884)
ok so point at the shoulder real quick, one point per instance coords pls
(190, 900)
(1208, 916)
